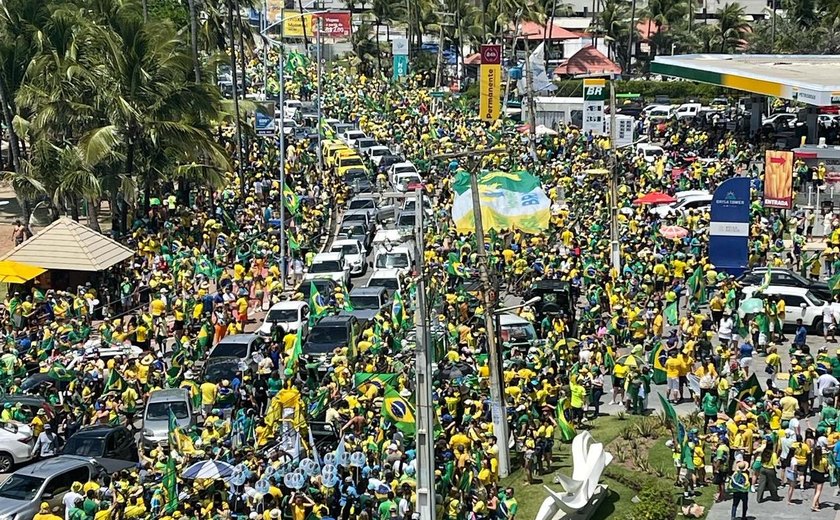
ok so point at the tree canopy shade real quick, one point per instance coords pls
(102, 103)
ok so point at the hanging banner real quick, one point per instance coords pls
(594, 94)
(399, 48)
(264, 118)
(778, 179)
(490, 99)
(729, 230)
(296, 25)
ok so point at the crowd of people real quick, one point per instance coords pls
(205, 267)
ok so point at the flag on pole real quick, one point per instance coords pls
(290, 199)
(670, 412)
(297, 350)
(657, 360)
(671, 313)
(115, 382)
(399, 411)
(567, 431)
(170, 484)
(766, 281)
(398, 316)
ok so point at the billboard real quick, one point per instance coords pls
(490, 98)
(264, 118)
(729, 230)
(594, 94)
(335, 25)
(778, 179)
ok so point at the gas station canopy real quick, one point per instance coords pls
(813, 80)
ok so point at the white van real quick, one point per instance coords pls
(396, 257)
(688, 110)
(650, 152)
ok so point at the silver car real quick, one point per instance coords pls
(44, 481)
(156, 414)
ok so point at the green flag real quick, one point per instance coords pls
(455, 267)
(115, 382)
(749, 388)
(57, 372)
(656, 359)
(170, 484)
(398, 411)
(317, 309)
(567, 431)
(697, 286)
(379, 380)
(290, 199)
(834, 284)
(294, 245)
(319, 404)
(670, 412)
(297, 350)
(671, 314)
(398, 317)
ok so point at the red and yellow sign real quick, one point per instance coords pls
(778, 179)
(335, 25)
(490, 92)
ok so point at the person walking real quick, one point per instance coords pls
(767, 479)
(819, 475)
(739, 488)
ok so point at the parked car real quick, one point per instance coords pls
(680, 206)
(330, 333)
(47, 481)
(16, 443)
(329, 265)
(290, 315)
(156, 414)
(241, 346)
(220, 369)
(799, 304)
(367, 302)
(787, 278)
(102, 442)
(353, 252)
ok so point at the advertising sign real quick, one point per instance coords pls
(490, 99)
(594, 93)
(729, 230)
(778, 179)
(264, 118)
(400, 51)
(335, 25)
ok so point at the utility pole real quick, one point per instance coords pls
(615, 252)
(515, 40)
(284, 266)
(532, 109)
(425, 424)
(497, 395)
(443, 24)
(320, 101)
(630, 32)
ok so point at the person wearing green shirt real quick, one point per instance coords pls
(90, 506)
(385, 507)
(509, 504)
(578, 397)
(710, 405)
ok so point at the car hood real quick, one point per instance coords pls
(11, 506)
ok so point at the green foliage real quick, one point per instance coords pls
(172, 10)
(656, 502)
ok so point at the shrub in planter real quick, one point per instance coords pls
(656, 502)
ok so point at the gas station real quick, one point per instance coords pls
(811, 80)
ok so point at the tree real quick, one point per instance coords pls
(613, 21)
(732, 28)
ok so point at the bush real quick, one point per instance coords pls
(656, 502)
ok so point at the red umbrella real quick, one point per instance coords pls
(672, 232)
(655, 197)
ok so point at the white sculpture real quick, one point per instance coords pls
(588, 462)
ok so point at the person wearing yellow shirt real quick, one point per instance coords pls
(45, 514)
(209, 392)
(673, 366)
(157, 307)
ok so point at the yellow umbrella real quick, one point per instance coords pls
(17, 272)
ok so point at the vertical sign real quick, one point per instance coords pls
(490, 100)
(264, 118)
(729, 230)
(778, 179)
(399, 48)
(594, 93)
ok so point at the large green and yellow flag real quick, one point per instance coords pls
(509, 200)
(657, 359)
(115, 382)
(398, 411)
(290, 199)
(379, 380)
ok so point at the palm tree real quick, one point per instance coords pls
(665, 14)
(613, 21)
(732, 27)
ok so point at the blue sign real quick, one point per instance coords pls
(400, 66)
(729, 230)
(264, 118)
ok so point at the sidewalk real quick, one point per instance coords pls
(800, 509)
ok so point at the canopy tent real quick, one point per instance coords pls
(67, 245)
(17, 272)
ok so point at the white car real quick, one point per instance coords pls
(329, 265)
(351, 136)
(800, 303)
(16, 444)
(780, 120)
(702, 201)
(353, 253)
(650, 152)
(291, 315)
(827, 119)
(396, 257)
(387, 278)
(398, 168)
(405, 179)
(377, 153)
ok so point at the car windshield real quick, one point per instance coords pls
(218, 371)
(406, 221)
(518, 333)
(389, 283)
(353, 231)
(21, 487)
(392, 261)
(239, 350)
(365, 143)
(281, 315)
(324, 338)
(84, 446)
(356, 217)
(160, 411)
(361, 204)
(347, 249)
(355, 173)
(365, 302)
(815, 299)
(351, 161)
(377, 152)
(329, 266)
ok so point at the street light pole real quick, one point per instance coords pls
(615, 252)
(425, 410)
(320, 103)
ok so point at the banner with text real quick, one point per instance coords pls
(399, 48)
(490, 99)
(264, 118)
(594, 93)
(335, 25)
(778, 179)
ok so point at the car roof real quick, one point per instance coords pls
(380, 147)
(779, 290)
(357, 211)
(512, 319)
(386, 273)
(237, 338)
(23, 399)
(334, 320)
(167, 394)
(344, 241)
(400, 164)
(99, 431)
(50, 467)
(367, 291)
(326, 257)
(290, 304)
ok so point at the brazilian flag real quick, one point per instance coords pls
(290, 199)
(398, 316)
(398, 411)
(297, 350)
(58, 373)
(319, 404)
(834, 284)
(317, 309)
(455, 267)
(749, 388)
(115, 382)
(294, 245)
(379, 380)
(567, 431)
(657, 359)
(671, 313)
